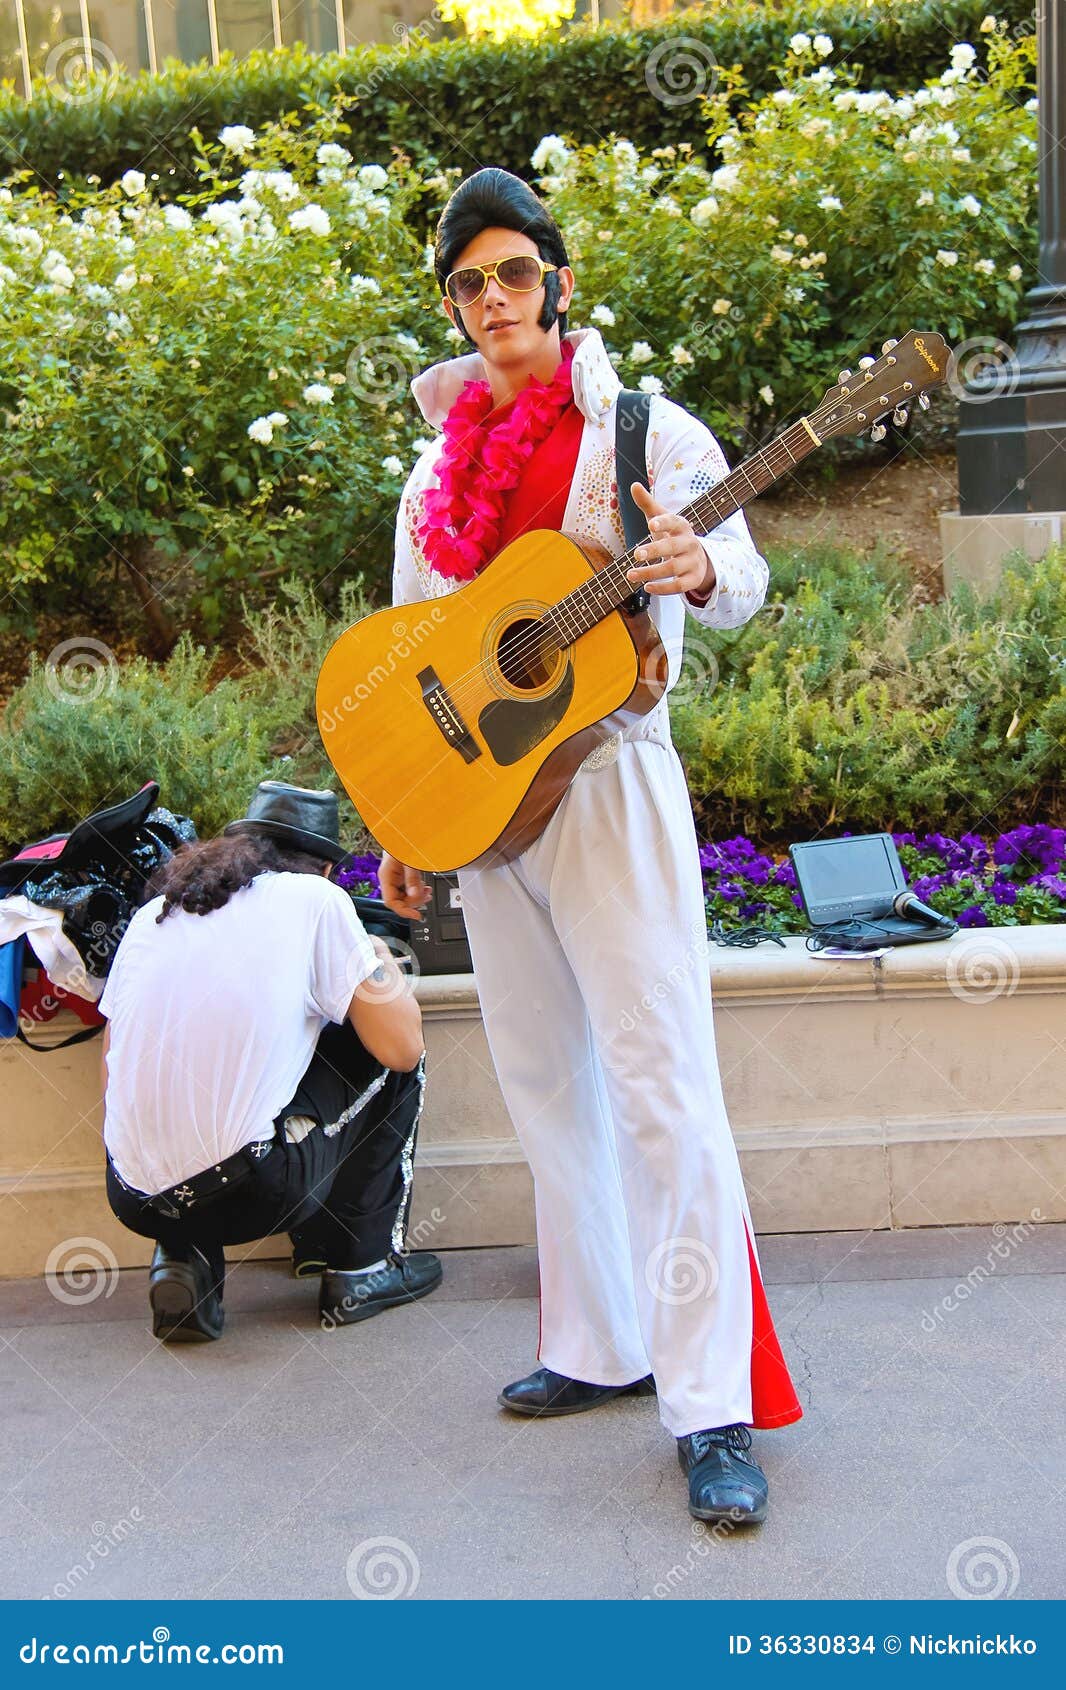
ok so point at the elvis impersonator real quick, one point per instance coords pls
(590, 947)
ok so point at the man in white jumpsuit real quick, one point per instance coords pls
(590, 948)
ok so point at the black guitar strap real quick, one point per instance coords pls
(631, 464)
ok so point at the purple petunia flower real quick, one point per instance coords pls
(1004, 892)
(973, 916)
(927, 884)
(758, 870)
(361, 871)
(977, 848)
(1040, 844)
(730, 890)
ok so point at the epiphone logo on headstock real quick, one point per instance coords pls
(921, 348)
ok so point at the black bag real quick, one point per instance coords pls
(96, 875)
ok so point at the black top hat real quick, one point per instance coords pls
(295, 815)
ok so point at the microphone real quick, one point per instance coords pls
(905, 904)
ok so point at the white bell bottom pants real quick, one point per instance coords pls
(590, 956)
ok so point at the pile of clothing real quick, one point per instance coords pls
(65, 903)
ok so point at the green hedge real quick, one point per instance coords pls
(845, 703)
(472, 105)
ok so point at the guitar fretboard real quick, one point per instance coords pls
(610, 587)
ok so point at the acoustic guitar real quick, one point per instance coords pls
(456, 724)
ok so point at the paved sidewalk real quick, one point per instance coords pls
(930, 1365)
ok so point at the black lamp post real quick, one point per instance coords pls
(1012, 420)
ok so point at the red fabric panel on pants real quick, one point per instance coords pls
(539, 499)
(773, 1396)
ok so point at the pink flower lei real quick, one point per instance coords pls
(481, 463)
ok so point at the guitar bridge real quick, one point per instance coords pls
(446, 717)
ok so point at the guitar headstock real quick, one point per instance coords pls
(904, 372)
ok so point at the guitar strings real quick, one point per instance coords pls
(463, 686)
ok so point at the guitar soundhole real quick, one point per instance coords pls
(523, 661)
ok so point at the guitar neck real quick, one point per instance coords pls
(609, 587)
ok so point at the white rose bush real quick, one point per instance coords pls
(175, 405)
(205, 394)
(836, 217)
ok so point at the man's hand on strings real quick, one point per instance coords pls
(673, 560)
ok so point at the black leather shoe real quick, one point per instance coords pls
(725, 1482)
(545, 1392)
(348, 1297)
(186, 1301)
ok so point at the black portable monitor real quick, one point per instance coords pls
(848, 879)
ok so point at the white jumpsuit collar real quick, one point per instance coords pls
(596, 385)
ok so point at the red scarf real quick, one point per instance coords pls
(482, 462)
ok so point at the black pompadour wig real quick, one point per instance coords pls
(495, 199)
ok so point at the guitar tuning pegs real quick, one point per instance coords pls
(878, 431)
(923, 400)
(864, 363)
(845, 375)
(899, 415)
(888, 345)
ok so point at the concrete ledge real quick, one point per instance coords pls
(974, 546)
(926, 1088)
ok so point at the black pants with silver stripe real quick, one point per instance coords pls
(337, 1176)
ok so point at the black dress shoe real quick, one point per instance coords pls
(725, 1482)
(545, 1392)
(348, 1297)
(185, 1297)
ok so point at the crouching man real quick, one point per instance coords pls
(264, 1072)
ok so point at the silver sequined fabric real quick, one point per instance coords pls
(604, 753)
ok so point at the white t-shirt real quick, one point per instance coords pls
(214, 1020)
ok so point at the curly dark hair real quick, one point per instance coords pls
(495, 199)
(203, 876)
